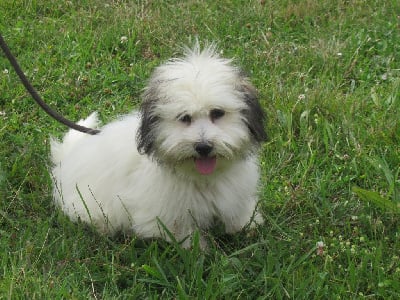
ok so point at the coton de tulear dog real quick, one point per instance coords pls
(188, 157)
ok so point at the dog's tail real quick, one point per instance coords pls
(60, 149)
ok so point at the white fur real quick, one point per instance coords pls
(104, 180)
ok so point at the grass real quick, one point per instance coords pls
(329, 76)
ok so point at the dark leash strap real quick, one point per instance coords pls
(37, 97)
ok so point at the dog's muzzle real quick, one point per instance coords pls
(206, 163)
(203, 148)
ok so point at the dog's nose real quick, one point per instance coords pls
(203, 148)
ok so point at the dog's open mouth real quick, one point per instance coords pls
(205, 165)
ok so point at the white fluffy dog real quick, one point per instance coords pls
(188, 157)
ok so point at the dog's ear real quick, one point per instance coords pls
(254, 116)
(149, 121)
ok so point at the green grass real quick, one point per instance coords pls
(329, 76)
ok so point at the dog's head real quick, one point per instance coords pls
(199, 110)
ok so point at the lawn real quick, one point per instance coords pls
(328, 73)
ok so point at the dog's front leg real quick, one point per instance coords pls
(184, 231)
(240, 218)
(188, 242)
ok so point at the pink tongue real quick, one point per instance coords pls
(206, 165)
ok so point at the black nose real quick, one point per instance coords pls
(203, 148)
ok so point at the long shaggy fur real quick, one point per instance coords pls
(186, 158)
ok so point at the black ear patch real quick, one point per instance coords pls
(149, 122)
(254, 115)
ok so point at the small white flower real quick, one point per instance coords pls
(339, 54)
(320, 248)
(384, 76)
(2, 113)
(124, 39)
(301, 97)
(5, 71)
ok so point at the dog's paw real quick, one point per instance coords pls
(195, 240)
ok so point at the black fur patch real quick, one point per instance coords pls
(254, 115)
(149, 122)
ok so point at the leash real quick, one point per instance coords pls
(31, 90)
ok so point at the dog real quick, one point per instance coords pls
(186, 159)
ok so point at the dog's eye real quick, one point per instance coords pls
(187, 119)
(216, 114)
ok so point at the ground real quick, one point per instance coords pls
(329, 81)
